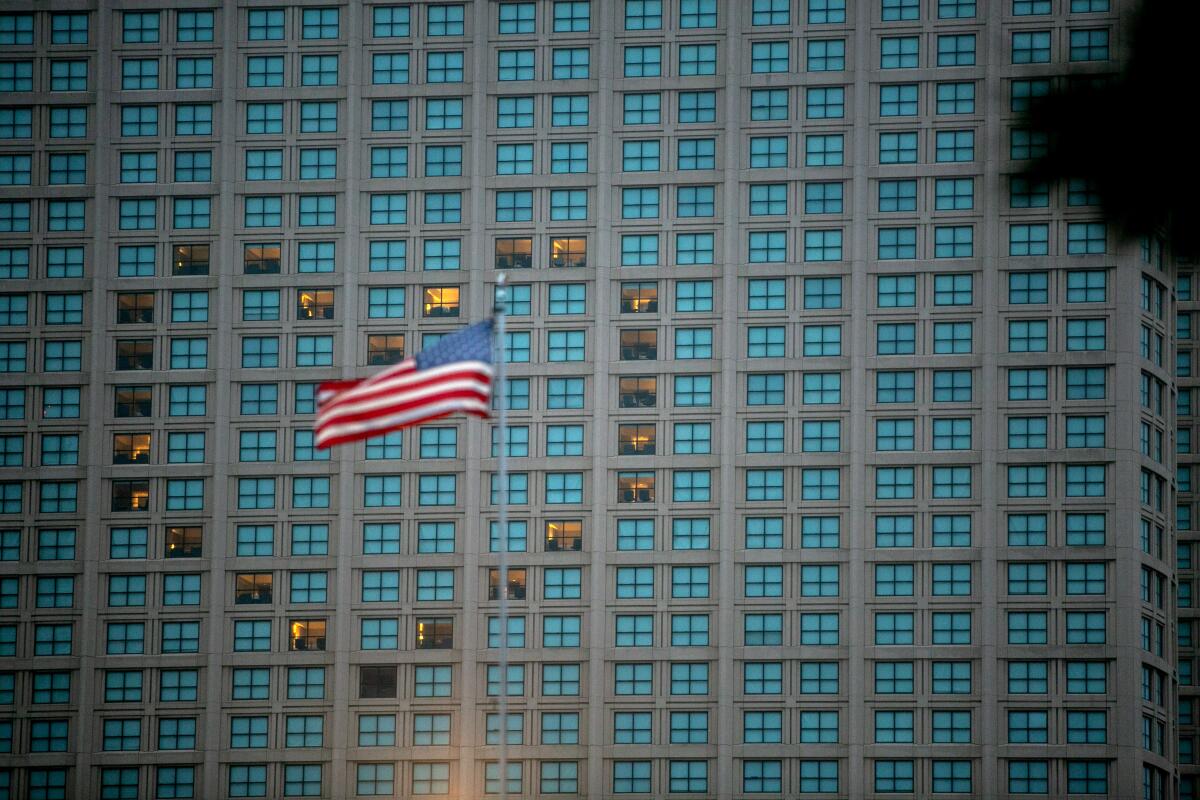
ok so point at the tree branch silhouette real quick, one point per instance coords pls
(1128, 135)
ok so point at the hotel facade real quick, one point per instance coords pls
(843, 459)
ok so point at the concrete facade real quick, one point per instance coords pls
(837, 469)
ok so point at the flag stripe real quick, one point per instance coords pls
(329, 389)
(386, 405)
(410, 382)
(340, 434)
(407, 365)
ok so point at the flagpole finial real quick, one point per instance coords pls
(501, 294)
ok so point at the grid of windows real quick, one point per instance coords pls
(729, 416)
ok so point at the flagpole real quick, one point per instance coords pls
(501, 395)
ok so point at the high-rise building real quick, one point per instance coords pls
(843, 460)
(1188, 534)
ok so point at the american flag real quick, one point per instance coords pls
(453, 375)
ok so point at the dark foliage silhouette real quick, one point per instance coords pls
(1128, 135)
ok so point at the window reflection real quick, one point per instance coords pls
(516, 584)
(307, 634)
(638, 392)
(131, 448)
(254, 588)
(314, 304)
(639, 344)
(435, 633)
(441, 301)
(514, 253)
(564, 535)
(639, 297)
(636, 439)
(568, 253)
(635, 487)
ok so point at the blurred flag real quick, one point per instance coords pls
(453, 375)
